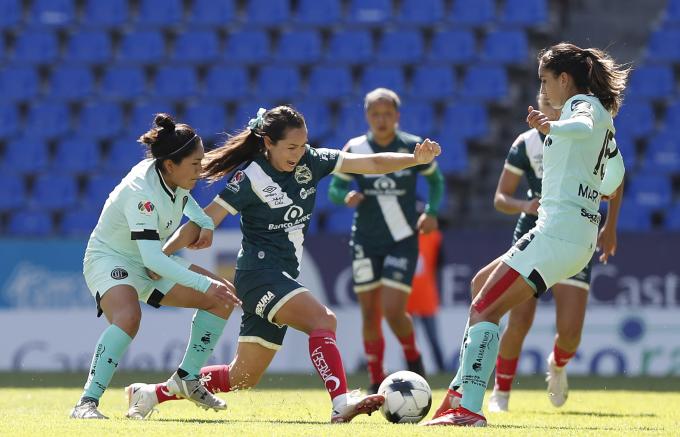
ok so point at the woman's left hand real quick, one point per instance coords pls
(204, 240)
(426, 151)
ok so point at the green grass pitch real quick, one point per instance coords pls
(295, 405)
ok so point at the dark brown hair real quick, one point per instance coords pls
(593, 70)
(248, 143)
(169, 140)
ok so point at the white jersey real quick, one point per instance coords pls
(575, 154)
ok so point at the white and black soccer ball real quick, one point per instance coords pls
(408, 397)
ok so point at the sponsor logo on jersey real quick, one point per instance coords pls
(145, 207)
(384, 186)
(274, 196)
(593, 218)
(400, 263)
(235, 181)
(293, 213)
(269, 189)
(262, 304)
(119, 273)
(325, 155)
(168, 224)
(303, 175)
(294, 217)
(305, 193)
(548, 142)
(588, 193)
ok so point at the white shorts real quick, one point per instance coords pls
(545, 261)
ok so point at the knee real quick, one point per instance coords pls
(569, 337)
(128, 321)
(326, 320)
(477, 283)
(394, 313)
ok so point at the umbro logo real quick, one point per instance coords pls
(269, 189)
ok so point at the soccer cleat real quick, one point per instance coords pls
(450, 402)
(195, 391)
(86, 409)
(354, 404)
(141, 400)
(498, 401)
(457, 417)
(558, 389)
(416, 366)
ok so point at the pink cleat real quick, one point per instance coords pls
(457, 417)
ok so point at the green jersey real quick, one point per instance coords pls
(575, 155)
(526, 158)
(388, 212)
(276, 208)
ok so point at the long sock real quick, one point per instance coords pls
(479, 360)
(505, 373)
(408, 343)
(561, 356)
(111, 346)
(375, 352)
(457, 380)
(206, 329)
(326, 359)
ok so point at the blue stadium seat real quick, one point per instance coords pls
(124, 153)
(672, 215)
(473, 12)
(77, 155)
(204, 193)
(11, 13)
(197, 47)
(267, 12)
(142, 47)
(319, 12)
(69, 82)
(54, 191)
(635, 118)
(466, 120)
(453, 46)
(142, 115)
(25, 155)
(13, 192)
(651, 82)
(36, 47)
(80, 222)
(330, 82)
(485, 83)
(417, 118)
(299, 47)
(433, 82)
(351, 123)
(247, 109)
(626, 145)
(176, 82)
(48, 119)
(9, 120)
(506, 47)
(19, 83)
(525, 13)
(370, 11)
(208, 119)
(101, 120)
(105, 14)
(421, 12)
(2, 49)
(161, 13)
(212, 13)
(664, 45)
(350, 46)
(634, 217)
(455, 160)
(30, 224)
(228, 83)
(247, 46)
(672, 117)
(323, 203)
(56, 13)
(88, 47)
(123, 82)
(651, 190)
(278, 82)
(339, 220)
(401, 46)
(663, 153)
(98, 188)
(672, 13)
(317, 116)
(381, 76)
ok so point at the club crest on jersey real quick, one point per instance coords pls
(306, 193)
(303, 175)
(235, 181)
(145, 207)
(119, 273)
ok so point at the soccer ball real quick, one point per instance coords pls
(407, 397)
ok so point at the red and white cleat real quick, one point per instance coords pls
(346, 407)
(457, 417)
(450, 402)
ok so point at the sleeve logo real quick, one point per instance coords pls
(146, 207)
(303, 175)
(580, 103)
(234, 183)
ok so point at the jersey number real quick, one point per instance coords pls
(599, 167)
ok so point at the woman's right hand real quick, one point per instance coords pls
(353, 199)
(223, 293)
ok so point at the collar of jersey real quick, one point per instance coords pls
(375, 146)
(165, 187)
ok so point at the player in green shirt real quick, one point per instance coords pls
(581, 163)
(272, 184)
(571, 295)
(124, 255)
(385, 230)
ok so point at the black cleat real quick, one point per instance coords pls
(416, 366)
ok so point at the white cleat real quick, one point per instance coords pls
(195, 391)
(86, 409)
(498, 401)
(142, 400)
(354, 403)
(558, 389)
